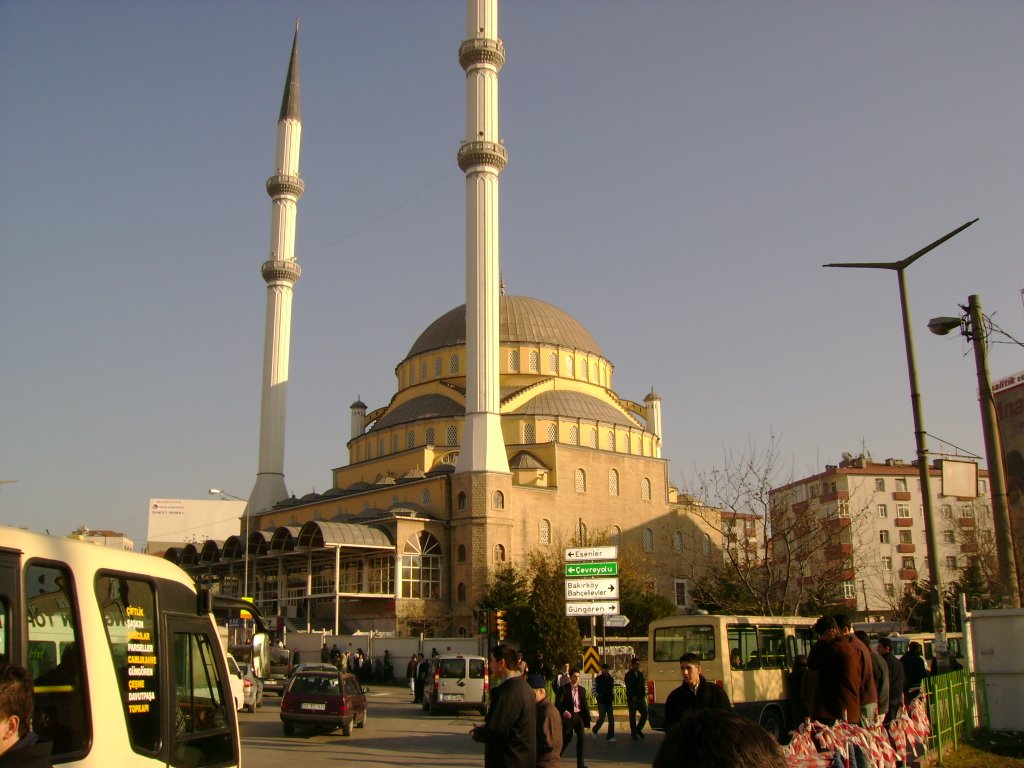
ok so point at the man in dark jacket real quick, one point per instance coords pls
(509, 732)
(19, 746)
(604, 692)
(571, 701)
(695, 692)
(837, 667)
(897, 678)
(868, 689)
(881, 675)
(636, 698)
(914, 668)
(549, 725)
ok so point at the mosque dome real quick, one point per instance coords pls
(520, 319)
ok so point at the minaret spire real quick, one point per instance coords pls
(280, 272)
(481, 157)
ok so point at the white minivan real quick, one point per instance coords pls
(456, 682)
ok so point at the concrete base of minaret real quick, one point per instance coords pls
(481, 522)
(482, 448)
(268, 490)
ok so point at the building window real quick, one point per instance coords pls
(553, 362)
(584, 368)
(906, 537)
(581, 481)
(545, 531)
(423, 370)
(394, 443)
(529, 434)
(421, 567)
(849, 590)
(437, 367)
(462, 501)
(381, 573)
(613, 482)
(844, 509)
(461, 556)
(426, 496)
(410, 440)
(901, 485)
(453, 363)
(879, 483)
(610, 441)
(636, 445)
(552, 433)
(883, 537)
(451, 436)
(967, 510)
(648, 540)
(707, 544)
(903, 510)
(593, 437)
(681, 593)
(593, 372)
(908, 563)
(534, 361)
(460, 592)
(499, 500)
(430, 436)
(949, 536)
(645, 489)
(499, 553)
(380, 446)
(677, 542)
(890, 590)
(574, 434)
(951, 563)
(513, 360)
(570, 367)
(886, 563)
(946, 511)
(615, 535)
(883, 511)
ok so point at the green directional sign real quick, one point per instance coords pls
(592, 569)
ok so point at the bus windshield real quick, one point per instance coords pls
(669, 643)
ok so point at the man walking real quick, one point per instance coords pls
(881, 675)
(549, 725)
(868, 689)
(837, 666)
(604, 692)
(897, 679)
(695, 692)
(571, 701)
(636, 698)
(509, 732)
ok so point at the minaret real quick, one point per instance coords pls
(481, 157)
(280, 272)
(653, 401)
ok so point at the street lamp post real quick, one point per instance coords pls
(972, 326)
(337, 583)
(245, 513)
(931, 534)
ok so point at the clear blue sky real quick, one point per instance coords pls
(679, 172)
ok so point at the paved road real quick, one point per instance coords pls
(398, 734)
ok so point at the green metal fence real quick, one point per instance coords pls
(957, 705)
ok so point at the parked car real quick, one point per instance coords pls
(456, 682)
(278, 672)
(252, 689)
(237, 686)
(323, 699)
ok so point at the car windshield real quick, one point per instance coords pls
(452, 668)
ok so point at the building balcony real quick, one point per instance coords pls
(908, 575)
(848, 574)
(838, 523)
(801, 506)
(835, 551)
(901, 495)
(969, 548)
(835, 496)
(966, 522)
(904, 522)
(850, 602)
(906, 549)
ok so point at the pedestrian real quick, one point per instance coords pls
(571, 702)
(325, 653)
(636, 698)
(509, 732)
(834, 666)
(604, 692)
(19, 745)
(715, 738)
(897, 678)
(914, 669)
(549, 725)
(868, 691)
(422, 673)
(335, 655)
(410, 674)
(881, 674)
(695, 692)
(541, 668)
(388, 667)
(562, 678)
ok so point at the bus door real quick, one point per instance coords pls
(10, 598)
(204, 729)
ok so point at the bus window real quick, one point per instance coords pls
(61, 709)
(743, 642)
(672, 642)
(129, 616)
(771, 647)
(203, 730)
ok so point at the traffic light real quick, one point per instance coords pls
(485, 622)
(500, 625)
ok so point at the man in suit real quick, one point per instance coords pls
(571, 701)
(509, 732)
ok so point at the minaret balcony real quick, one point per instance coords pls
(283, 184)
(281, 269)
(481, 50)
(474, 153)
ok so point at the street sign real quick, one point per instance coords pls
(578, 554)
(591, 589)
(616, 621)
(591, 660)
(592, 569)
(596, 608)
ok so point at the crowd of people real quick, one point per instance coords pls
(380, 669)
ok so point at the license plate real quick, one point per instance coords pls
(314, 706)
(451, 697)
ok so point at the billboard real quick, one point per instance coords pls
(173, 522)
(1008, 394)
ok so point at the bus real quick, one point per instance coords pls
(749, 656)
(125, 656)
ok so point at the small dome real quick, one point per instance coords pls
(520, 319)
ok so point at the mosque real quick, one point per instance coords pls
(504, 436)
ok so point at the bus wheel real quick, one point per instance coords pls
(771, 721)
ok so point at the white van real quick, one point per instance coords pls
(456, 682)
(126, 658)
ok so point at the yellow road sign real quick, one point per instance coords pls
(591, 660)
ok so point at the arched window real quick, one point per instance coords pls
(410, 439)
(499, 500)
(707, 544)
(430, 436)
(437, 366)
(610, 441)
(534, 361)
(553, 362)
(460, 592)
(645, 489)
(529, 433)
(584, 369)
(593, 372)
(426, 496)
(451, 435)
(581, 481)
(552, 433)
(574, 434)
(593, 437)
(461, 556)
(615, 535)
(624, 442)
(421, 567)
(613, 482)
(423, 370)
(453, 363)
(545, 531)
(648, 540)
(499, 553)
(463, 632)
(677, 542)
(394, 443)
(462, 501)
(513, 360)
(570, 367)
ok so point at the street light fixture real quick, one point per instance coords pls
(931, 534)
(245, 513)
(972, 326)
(336, 546)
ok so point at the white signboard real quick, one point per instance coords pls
(617, 621)
(597, 608)
(591, 589)
(578, 554)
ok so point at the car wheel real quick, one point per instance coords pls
(362, 723)
(346, 727)
(289, 729)
(771, 721)
(250, 708)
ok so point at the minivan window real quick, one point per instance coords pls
(452, 668)
(128, 606)
(477, 668)
(55, 659)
